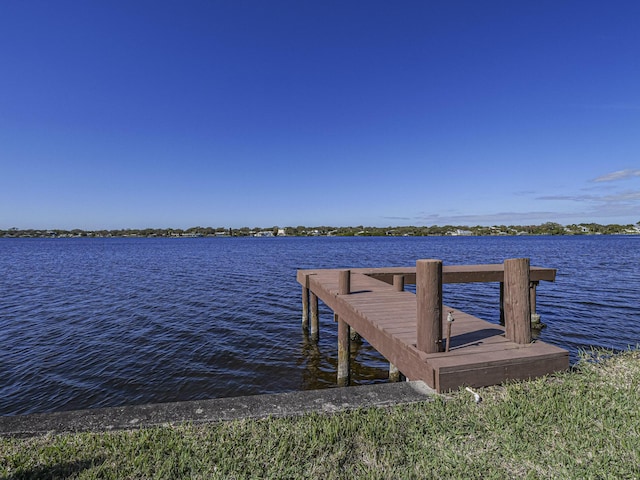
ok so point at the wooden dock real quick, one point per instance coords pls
(409, 329)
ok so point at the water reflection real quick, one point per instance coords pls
(320, 362)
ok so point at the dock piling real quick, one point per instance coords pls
(344, 348)
(315, 318)
(517, 302)
(394, 374)
(344, 333)
(429, 305)
(398, 283)
(305, 306)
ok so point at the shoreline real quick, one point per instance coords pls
(577, 424)
(289, 404)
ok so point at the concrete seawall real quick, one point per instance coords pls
(215, 410)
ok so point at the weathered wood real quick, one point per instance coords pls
(305, 308)
(517, 306)
(344, 282)
(398, 283)
(429, 305)
(344, 369)
(315, 317)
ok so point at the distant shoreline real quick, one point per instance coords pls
(548, 228)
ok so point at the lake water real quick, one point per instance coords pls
(89, 323)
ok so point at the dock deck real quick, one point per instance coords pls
(479, 353)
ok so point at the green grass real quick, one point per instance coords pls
(581, 424)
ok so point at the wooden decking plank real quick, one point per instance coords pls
(399, 326)
(486, 357)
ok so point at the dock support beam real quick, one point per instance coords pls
(344, 333)
(517, 302)
(315, 318)
(305, 306)
(344, 347)
(429, 300)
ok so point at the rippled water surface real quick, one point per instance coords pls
(104, 322)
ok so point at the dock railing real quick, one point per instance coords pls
(517, 296)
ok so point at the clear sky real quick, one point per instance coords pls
(136, 114)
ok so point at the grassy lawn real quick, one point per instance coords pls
(582, 424)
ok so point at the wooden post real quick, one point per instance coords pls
(535, 318)
(344, 369)
(429, 299)
(315, 318)
(344, 334)
(344, 282)
(398, 283)
(305, 306)
(394, 373)
(517, 306)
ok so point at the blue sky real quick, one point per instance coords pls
(127, 114)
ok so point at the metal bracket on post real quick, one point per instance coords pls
(535, 318)
(450, 320)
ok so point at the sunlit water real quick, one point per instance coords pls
(105, 322)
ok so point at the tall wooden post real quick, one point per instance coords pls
(315, 318)
(344, 334)
(305, 305)
(398, 283)
(517, 303)
(429, 299)
(344, 347)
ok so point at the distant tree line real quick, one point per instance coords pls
(548, 228)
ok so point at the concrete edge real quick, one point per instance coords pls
(219, 409)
